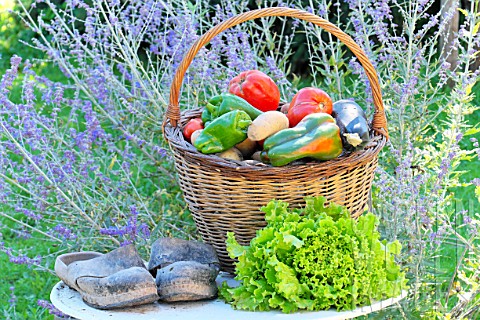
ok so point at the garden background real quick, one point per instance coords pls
(83, 165)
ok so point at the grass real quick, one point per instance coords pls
(30, 284)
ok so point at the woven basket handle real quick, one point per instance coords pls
(379, 122)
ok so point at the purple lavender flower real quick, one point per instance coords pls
(129, 231)
(277, 75)
(51, 308)
(467, 219)
(21, 258)
(475, 142)
(64, 232)
(22, 233)
(13, 299)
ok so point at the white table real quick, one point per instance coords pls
(70, 303)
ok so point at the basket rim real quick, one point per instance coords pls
(178, 144)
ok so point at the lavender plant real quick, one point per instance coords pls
(63, 166)
(93, 149)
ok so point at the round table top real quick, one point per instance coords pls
(70, 303)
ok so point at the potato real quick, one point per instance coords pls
(195, 135)
(256, 156)
(232, 154)
(266, 124)
(247, 147)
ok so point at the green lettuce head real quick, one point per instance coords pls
(314, 259)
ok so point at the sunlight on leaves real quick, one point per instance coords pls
(6, 5)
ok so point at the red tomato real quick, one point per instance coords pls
(307, 101)
(192, 126)
(257, 88)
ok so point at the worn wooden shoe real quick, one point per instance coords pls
(105, 265)
(114, 280)
(186, 281)
(166, 251)
(63, 261)
(126, 288)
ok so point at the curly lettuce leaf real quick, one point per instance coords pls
(234, 249)
(314, 259)
(317, 206)
(275, 211)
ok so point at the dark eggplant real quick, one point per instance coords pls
(353, 124)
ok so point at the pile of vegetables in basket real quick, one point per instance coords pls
(315, 258)
(248, 122)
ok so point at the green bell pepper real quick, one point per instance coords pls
(315, 136)
(206, 116)
(223, 132)
(227, 102)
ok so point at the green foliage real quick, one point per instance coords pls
(314, 258)
(29, 284)
(13, 34)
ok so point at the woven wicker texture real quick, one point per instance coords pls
(225, 195)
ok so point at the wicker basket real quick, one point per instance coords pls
(224, 195)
